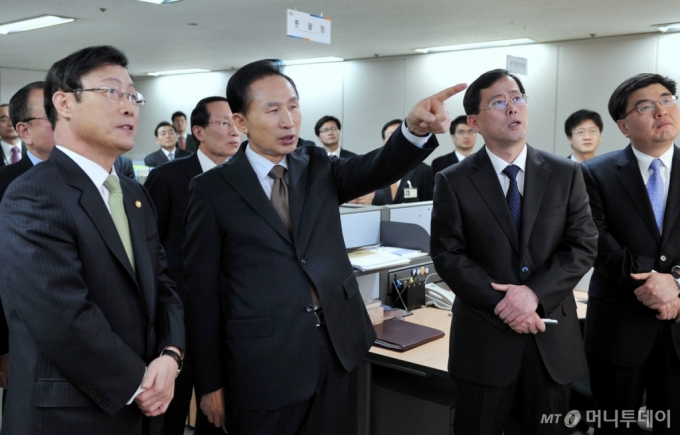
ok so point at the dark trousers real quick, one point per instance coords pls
(517, 408)
(617, 389)
(323, 413)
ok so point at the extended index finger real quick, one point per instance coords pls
(450, 92)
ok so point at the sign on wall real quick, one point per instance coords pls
(308, 27)
(516, 65)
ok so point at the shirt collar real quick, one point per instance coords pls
(459, 156)
(206, 163)
(500, 164)
(260, 165)
(96, 173)
(644, 160)
(34, 159)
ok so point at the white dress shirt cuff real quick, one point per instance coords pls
(415, 140)
(139, 391)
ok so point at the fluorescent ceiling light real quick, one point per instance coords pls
(33, 23)
(178, 71)
(487, 44)
(159, 2)
(663, 28)
(313, 60)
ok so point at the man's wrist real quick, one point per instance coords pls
(175, 354)
(675, 273)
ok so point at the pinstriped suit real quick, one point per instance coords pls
(83, 323)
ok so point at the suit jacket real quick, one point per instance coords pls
(83, 322)
(124, 167)
(420, 178)
(346, 153)
(443, 162)
(168, 186)
(8, 174)
(619, 328)
(191, 144)
(474, 243)
(250, 279)
(159, 157)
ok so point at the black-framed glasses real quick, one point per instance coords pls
(517, 101)
(223, 124)
(135, 98)
(650, 106)
(327, 129)
(35, 117)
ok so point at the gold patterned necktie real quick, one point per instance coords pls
(119, 216)
(280, 194)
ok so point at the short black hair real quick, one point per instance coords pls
(163, 124)
(462, 119)
(578, 117)
(323, 120)
(473, 95)
(66, 74)
(386, 126)
(238, 87)
(18, 104)
(200, 115)
(619, 99)
(176, 114)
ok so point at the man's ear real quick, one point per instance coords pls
(62, 104)
(472, 122)
(198, 133)
(240, 123)
(623, 126)
(24, 133)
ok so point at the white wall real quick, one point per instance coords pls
(364, 94)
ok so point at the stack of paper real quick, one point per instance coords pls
(374, 259)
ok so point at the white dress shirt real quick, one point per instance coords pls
(459, 156)
(500, 164)
(7, 150)
(96, 173)
(206, 163)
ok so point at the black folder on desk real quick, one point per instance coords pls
(401, 335)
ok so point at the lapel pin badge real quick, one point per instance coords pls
(138, 204)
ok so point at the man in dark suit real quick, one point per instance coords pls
(10, 143)
(212, 124)
(95, 323)
(512, 234)
(278, 316)
(327, 129)
(464, 138)
(185, 141)
(166, 137)
(123, 166)
(631, 339)
(27, 114)
(416, 185)
(584, 133)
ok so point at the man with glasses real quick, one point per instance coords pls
(166, 137)
(12, 149)
(327, 129)
(512, 234)
(96, 328)
(213, 126)
(584, 133)
(464, 138)
(632, 335)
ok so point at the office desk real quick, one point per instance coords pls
(426, 364)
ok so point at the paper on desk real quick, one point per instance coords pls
(373, 259)
(402, 252)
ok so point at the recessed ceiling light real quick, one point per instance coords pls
(487, 44)
(178, 71)
(33, 23)
(313, 60)
(159, 2)
(669, 27)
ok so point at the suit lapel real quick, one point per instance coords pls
(536, 179)
(241, 176)
(134, 208)
(298, 164)
(93, 204)
(193, 168)
(486, 182)
(631, 180)
(673, 201)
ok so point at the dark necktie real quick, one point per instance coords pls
(182, 144)
(656, 192)
(280, 194)
(16, 154)
(513, 197)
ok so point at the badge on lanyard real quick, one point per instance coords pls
(410, 192)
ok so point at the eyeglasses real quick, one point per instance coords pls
(136, 99)
(223, 124)
(35, 117)
(465, 132)
(650, 106)
(517, 101)
(4, 118)
(582, 132)
(327, 129)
